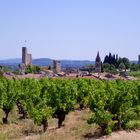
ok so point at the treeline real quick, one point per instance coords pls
(114, 104)
(112, 63)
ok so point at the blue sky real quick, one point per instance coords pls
(70, 29)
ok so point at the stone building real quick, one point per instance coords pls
(98, 63)
(57, 66)
(26, 58)
(138, 59)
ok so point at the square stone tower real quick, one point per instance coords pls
(57, 66)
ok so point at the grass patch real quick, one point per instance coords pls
(135, 74)
(2, 136)
(75, 127)
(132, 125)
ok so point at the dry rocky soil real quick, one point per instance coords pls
(75, 128)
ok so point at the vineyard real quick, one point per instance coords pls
(114, 105)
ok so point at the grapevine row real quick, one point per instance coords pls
(114, 104)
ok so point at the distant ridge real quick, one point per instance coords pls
(11, 61)
(134, 61)
(64, 63)
(48, 62)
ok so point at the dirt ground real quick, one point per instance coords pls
(123, 135)
(76, 128)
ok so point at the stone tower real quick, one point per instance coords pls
(98, 63)
(139, 59)
(26, 58)
(24, 55)
(57, 66)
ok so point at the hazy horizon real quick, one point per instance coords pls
(60, 59)
(70, 29)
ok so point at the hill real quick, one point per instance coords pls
(47, 62)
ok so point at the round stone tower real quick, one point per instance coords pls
(24, 55)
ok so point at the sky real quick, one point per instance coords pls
(70, 29)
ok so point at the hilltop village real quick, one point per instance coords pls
(108, 70)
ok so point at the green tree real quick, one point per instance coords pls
(36, 69)
(109, 68)
(29, 69)
(31, 97)
(121, 66)
(125, 61)
(9, 96)
(134, 67)
(62, 98)
(83, 92)
(106, 67)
